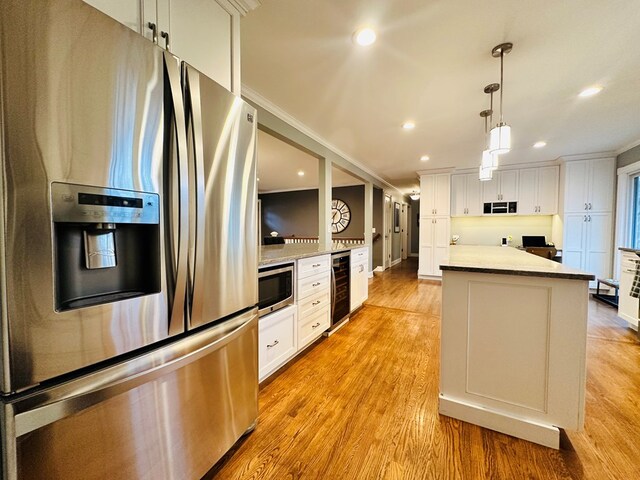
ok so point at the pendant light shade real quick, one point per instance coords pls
(500, 140)
(485, 174)
(489, 160)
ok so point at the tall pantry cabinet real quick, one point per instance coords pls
(588, 201)
(435, 223)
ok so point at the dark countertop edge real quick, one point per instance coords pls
(521, 273)
(632, 250)
(293, 258)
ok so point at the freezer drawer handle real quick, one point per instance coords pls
(317, 284)
(316, 325)
(276, 342)
(316, 265)
(317, 302)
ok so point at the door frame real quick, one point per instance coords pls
(388, 229)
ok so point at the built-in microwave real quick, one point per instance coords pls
(275, 288)
(491, 208)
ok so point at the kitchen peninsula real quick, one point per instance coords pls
(513, 343)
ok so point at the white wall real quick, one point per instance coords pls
(490, 230)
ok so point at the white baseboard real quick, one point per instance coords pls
(396, 262)
(536, 432)
(430, 277)
(370, 275)
(413, 255)
(379, 268)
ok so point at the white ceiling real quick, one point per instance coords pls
(279, 164)
(430, 64)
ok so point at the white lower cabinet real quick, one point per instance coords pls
(628, 306)
(277, 339)
(434, 245)
(311, 326)
(359, 283)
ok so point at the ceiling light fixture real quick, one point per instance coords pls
(591, 91)
(364, 36)
(486, 165)
(489, 159)
(501, 134)
(408, 125)
(424, 158)
(300, 173)
(414, 195)
(539, 144)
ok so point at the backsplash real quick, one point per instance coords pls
(490, 230)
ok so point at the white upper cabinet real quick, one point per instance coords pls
(435, 194)
(589, 185)
(465, 195)
(203, 33)
(503, 187)
(538, 191)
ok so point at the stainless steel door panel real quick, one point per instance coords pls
(174, 421)
(225, 255)
(83, 103)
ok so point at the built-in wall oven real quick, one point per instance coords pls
(275, 288)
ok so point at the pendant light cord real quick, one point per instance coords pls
(501, 83)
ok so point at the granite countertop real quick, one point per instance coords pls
(292, 251)
(507, 261)
(627, 249)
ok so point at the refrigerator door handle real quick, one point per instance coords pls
(196, 173)
(43, 408)
(181, 217)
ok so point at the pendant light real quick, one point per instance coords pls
(500, 141)
(486, 165)
(489, 159)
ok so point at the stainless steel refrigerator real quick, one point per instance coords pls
(128, 253)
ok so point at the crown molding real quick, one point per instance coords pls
(245, 6)
(627, 147)
(258, 99)
(433, 171)
(586, 156)
(517, 166)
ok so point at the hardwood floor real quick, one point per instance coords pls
(363, 404)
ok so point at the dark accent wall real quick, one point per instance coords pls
(296, 213)
(415, 227)
(378, 224)
(630, 156)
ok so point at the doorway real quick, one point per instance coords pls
(404, 231)
(388, 228)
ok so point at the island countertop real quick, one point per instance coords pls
(292, 251)
(507, 261)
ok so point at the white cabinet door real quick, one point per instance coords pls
(601, 180)
(474, 191)
(441, 243)
(135, 14)
(598, 251)
(528, 190)
(548, 178)
(201, 35)
(425, 255)
(574, 245)
(576, 186)
(427, 195)
(442, 194)
(491, 189)
(458, 195)
(508, 185)
(277, 339)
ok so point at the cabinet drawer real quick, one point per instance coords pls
(312, 327)
(629, 262)
(315, 284)
(276, 339)
(313, 265)
(359, 255)
(312, 304)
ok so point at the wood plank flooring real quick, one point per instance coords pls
(363, 404)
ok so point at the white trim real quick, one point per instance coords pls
(244, 6)
(265, 103)
(544, 163)
(286, 190)
(370, 275)
(623, 200)
(396, 262)
(627, 147)
(430, 277)
(379, 268)
(434, 171)
(587, 156)
(412, 254)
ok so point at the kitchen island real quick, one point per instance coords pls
(271, 254)
(513, 343)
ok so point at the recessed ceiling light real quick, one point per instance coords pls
(364, 36)
(539, 144)
(424, 158)
(300, 173)
(588, 92)
(258, 179)
(408, 125)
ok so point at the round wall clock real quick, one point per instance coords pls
(340, 216)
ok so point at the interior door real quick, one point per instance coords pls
(223, 240)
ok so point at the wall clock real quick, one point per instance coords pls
(340, 215)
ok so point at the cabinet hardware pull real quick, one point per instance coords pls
(315, 284)
(154, 31)
(585, 206)
(589, 218)
(589, 205)
(361, 269)
(317, 302)
(165, 35)
(316, 265)
(273, 344)
(316, 325)
(585, 218)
